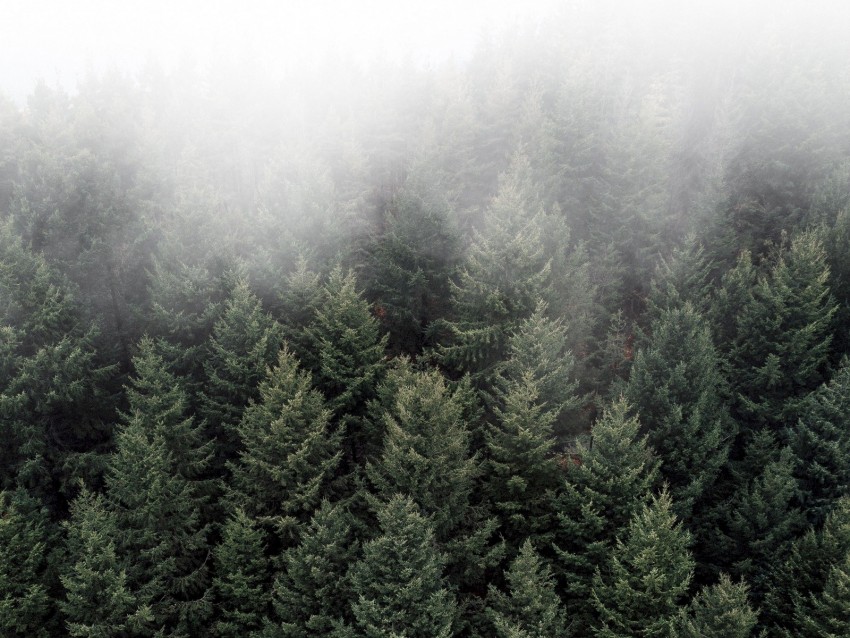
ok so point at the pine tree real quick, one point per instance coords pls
(244, 342)
(531, 607)
(821, 444)
(312, 593)
(241, 583)
(782, 336)
(718, 611)
(26, 607)
(676, 386)
(521, 468)
(605, 486)
(398, 582)
(288, 453)
(349, 352)
(650, 573)
(683, 277)
(158, 500)
(98, 602)
(802, 577)
(426, 456)
(299, 300)
(506, 273)
(762, 518)
(829, 613)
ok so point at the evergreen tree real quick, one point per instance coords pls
(157, 502)
(606, 486)
(288, 453)
(650, 573)
(684, 277)
(829, 613)
(241, 582)
(349, 351)
(244, 342)
(782, 336)
(426, 456)
(802, 577)
(821, 443)
(312, 593)
(398, 582)
(676, 386)
(299, 301)
(521, 468)
(506, 273)
(98, 602)
(761, 519)
(531, 608)
(718, 611)
(26, 606)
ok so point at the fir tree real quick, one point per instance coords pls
(821, 443)
(26, 607)
(398, 582)
(604, 488)
(650, 573)
(521, 467)
(244, 342)
(312, 593)
(676, 386)
(531, 608)
(718, 611)
(288, 455)
(241, 582)
(98, 602)
(829, 613)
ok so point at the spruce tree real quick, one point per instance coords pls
(350, 359)
(718, 611)
(244, 342)
(288, 453)
(241, 583)
(521, 468)
(821, 444)
(649, 575)
(507, 271)
(606, 485)
(531, 607)
(98, 601)
(26, 606)
(398, 583)
(312, 593)
(676, 386)
(829, 613)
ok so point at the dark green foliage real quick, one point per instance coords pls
(299, 300)
(682, 278)
(762, 518)
(531, 608)
(676, 386)
(241, 585)
(650, 571)
(821, 443)
(803, 576)
(718, 611)
(782, 334)
(521, 467)
(409, 262)
(312, 594)
(288, 453)
(829, 613)
(398, 583)
(244, 342)
(605, 486)
(506, 273)
(26, 607)
(162, 537)
(98, 602)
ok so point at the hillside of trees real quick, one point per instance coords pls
(552, 341)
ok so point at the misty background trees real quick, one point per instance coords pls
(549, 341)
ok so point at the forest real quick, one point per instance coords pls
(550, 341)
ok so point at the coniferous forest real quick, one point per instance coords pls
(549, 341)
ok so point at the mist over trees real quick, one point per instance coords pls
(547, 341)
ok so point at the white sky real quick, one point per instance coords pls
(58, 40)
